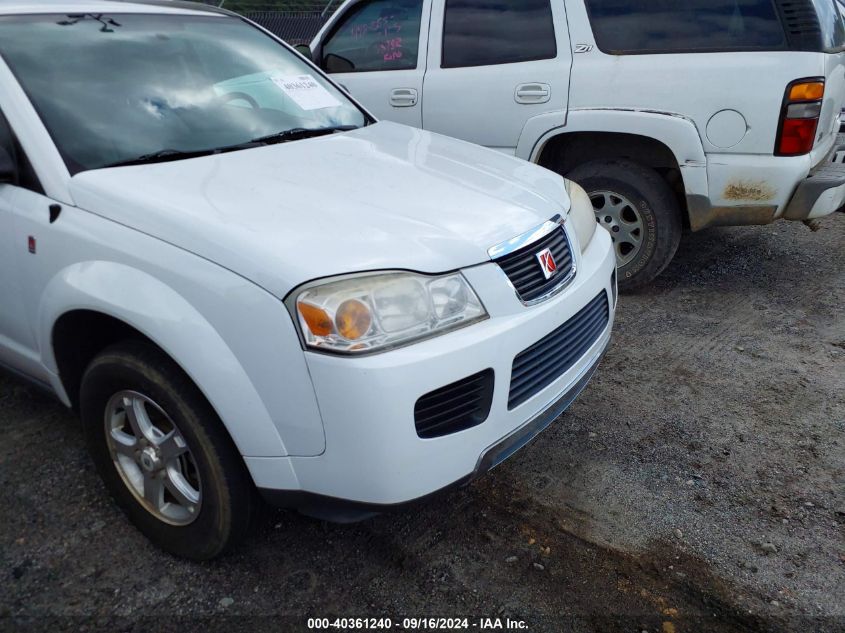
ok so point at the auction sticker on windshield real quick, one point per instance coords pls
(306, 92)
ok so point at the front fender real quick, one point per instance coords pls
(171, 322)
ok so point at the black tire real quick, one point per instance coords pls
(655, 202)
(228, 497)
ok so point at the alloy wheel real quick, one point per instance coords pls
(153, 458)
(620, 216)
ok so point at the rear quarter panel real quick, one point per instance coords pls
(695, 85)
(834, 101)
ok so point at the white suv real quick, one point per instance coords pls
(699, 113)
(241, 281)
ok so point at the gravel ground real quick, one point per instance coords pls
(698, 484)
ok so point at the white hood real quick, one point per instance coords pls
(382, 197)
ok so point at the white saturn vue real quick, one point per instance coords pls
(247, 287)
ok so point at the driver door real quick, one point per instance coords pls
(376, 50)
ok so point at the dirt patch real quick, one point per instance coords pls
(698, 484)
(756, 191)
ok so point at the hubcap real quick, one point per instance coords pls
(153, 458)
(150, 459)
(619, 216)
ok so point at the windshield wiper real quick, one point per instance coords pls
(295, 134)
(165, 155)
(299, 133)
(162, 156)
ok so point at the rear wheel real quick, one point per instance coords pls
(163, 453)
(640, 211)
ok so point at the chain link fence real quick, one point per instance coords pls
(295, 21)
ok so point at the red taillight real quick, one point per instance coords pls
(799, 118)
(797, 136)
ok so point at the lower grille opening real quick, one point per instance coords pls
(455, 407)
(548, 359)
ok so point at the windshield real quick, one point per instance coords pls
(118, 88)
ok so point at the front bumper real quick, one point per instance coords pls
(345, 511)
(373, 454)
(823, 191)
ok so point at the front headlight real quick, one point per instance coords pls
(582, 217)
(375, 312)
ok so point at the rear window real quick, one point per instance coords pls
(673, 26)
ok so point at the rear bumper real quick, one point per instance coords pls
(823, 191)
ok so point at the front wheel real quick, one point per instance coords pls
(640, 211)
(163, 453)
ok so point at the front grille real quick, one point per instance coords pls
(525, 272)
(456, 407)
(548, 359)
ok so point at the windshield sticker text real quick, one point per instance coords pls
(306, 92)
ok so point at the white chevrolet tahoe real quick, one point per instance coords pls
(670, 113)
(242, 282)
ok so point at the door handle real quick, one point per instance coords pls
(403, 97)
(533, 93)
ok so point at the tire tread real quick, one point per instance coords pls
(656, 192)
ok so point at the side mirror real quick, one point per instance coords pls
(8, 168)
(305, 51)
(337, 64)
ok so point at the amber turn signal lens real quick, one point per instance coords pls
(317, 320)
(811, 91)
(353, 319)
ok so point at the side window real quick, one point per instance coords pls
(377, 35)
(26, 174)
(830, 20)
(667, 26)
(7, 141)
(490, 32)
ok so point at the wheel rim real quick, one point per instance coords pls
(152, 458)
(620, 216)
